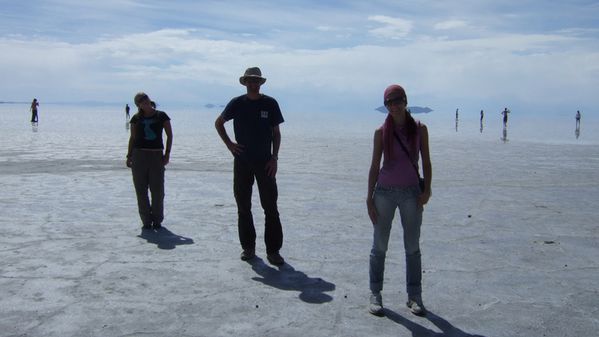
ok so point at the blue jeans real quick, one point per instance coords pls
(386, 200)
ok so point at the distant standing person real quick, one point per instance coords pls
(577, 118)
(504, 113)
(482, 115)
(456, 114)
(402, 140)
(146, 159)
(34, 105)
(256, 118)
(127, 110)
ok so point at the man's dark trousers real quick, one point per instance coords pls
(244, 173)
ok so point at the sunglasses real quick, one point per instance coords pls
(397, 100)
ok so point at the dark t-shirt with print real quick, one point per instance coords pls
(148, 130)
(253, 123)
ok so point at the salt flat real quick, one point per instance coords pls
(509, 243)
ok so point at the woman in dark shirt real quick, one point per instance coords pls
(146, 159)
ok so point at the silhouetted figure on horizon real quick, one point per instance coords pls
(504, 113)
(34, 105)
(127, 109)
(482, 115)
(504, 134)
(456, 119)
(577, 131)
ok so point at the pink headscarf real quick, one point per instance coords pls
(395, 90)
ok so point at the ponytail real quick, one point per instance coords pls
(389, 138)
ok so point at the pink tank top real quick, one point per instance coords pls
(398, 171)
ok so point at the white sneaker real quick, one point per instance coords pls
(416, 308)
(376, 304)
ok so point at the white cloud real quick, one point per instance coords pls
(325, 28)
(183, 65)
(394, 28)
(450, 24)
(175, 62)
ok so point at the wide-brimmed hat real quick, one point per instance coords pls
(253, 72)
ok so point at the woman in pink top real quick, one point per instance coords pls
(403, 141)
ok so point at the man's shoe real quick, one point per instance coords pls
(144, 227)
(275, 259)
(157, 226)
(248, 254)
(416, 308)
(376, 304)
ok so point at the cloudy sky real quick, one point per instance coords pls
(535, 56)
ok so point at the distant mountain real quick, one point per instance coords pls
(412, 109)
(212, 106)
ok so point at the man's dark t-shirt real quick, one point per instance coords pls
(253, 122)
(149, 130)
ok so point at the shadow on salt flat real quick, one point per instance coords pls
(164, 238)
(312, 290)
(418, 330)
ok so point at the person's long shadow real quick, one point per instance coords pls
(312, 290)
(447, 329)
(164, 239)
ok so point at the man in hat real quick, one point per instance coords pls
(256, 118)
